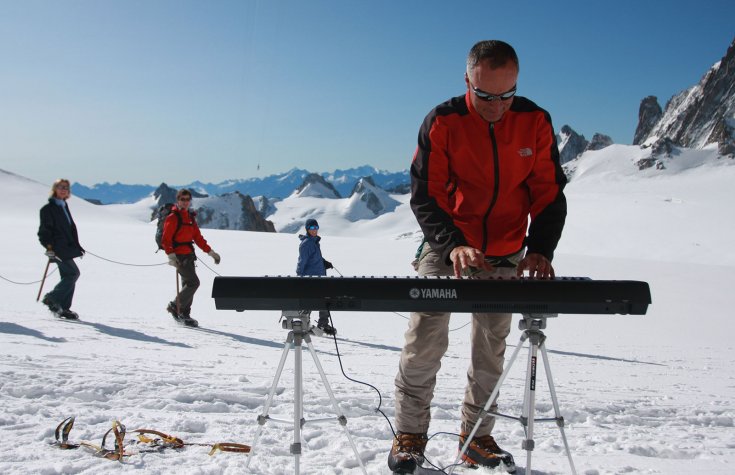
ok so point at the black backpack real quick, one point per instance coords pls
(162, 213)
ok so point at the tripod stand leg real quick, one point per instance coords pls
(298, 403)
(489, 403)
(529, 399)
(263, 418)
(335, 406)
(557, 412)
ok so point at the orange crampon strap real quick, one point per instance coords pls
(164, 440)
(230, 447)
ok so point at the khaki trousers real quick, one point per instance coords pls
(189, 281)
(427, 339)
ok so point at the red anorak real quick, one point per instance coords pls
(478, 184)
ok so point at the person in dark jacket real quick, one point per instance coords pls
(58, 236)
(180, 233)
(311, 262)
(487, 192)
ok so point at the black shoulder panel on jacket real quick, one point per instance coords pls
(524, 104)
(455, 105)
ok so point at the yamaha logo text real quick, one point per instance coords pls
(433, 293)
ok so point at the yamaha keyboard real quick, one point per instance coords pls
(578, 295)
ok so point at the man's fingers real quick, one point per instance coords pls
(457, 269)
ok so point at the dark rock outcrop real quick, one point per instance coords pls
(599, 141)
(571, 144)
(649, 113)
(231, 211)
(315, 185)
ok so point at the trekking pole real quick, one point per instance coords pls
(45, 271)
(178, 305)
(338, 272)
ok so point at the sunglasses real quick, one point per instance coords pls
(312, 227)
(62, 187)
(184, 199)
(486, 96)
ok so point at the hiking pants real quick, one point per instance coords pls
(63, 293)
(189, 281)
(427, 339)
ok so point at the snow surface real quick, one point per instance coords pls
(640, 394)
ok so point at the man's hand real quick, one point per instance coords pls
(214, 256)
(172, 261)
(537, 265)
(464, 257)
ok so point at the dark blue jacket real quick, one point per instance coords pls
(310, 257)
(59, 232)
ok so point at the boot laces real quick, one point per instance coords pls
(411, 443)
(485, 442)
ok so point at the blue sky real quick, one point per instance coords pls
(176, 91)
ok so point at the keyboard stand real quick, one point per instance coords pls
(532, 325)
(300, 331)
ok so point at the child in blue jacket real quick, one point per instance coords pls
(311, 262)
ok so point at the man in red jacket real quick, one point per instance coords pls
(180, 233)
(486, 166)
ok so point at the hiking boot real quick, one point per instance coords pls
(407, 452)
(485, 452)
(326, 328)
(171, 308)
(189, 322)
(52, 306)
(185, 318)
(69, 315)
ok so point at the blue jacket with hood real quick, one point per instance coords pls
(310, 261)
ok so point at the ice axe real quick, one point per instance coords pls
(45, 272)
(178, 305)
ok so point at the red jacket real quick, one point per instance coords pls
(187, 234)
(476, 183)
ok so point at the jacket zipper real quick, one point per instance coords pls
(496, 184)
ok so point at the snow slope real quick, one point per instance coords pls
(640, 394)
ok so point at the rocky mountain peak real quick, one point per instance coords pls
(368, 200)
(599, 141)
(649, 113)
(571, 144)
(231, 211)
(315, 185)
(700, 115)
(166, 194)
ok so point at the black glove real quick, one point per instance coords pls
(327, 264)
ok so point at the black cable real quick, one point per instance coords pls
(125, 263)
(205, 265)
(27, 283)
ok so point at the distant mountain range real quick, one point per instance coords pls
(273, 187)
